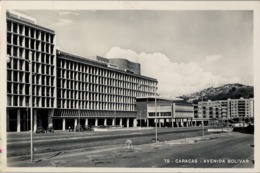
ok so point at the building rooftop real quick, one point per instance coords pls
(25, 19)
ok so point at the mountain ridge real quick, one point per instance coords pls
(224, 92)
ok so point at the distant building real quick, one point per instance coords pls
(227, 109)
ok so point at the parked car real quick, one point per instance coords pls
(79, 128)
(50, 130)
(87, 128)
(40, 130)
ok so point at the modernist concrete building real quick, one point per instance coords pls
(30, 50)
(94, 93)
(170, 112)
(227, 109)
(66, 89)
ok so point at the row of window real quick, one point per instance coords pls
(24, 77)
(78, 95)
(24, 89)
(94, 105)
(68, 66)
(29, 31)
(23, 42)
(23, 101)
(21, 53)
(69, 76)
(101, 89)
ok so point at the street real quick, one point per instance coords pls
(19, 144)
(227, 150)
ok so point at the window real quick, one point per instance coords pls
(15, 28)
(9, 38)
(26, 31)
(9, 26)
(20, 29)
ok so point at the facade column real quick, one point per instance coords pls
(177, 122)
(172, 123)
(35, 120)
(159, 121)
(181, 120)
(86, 121)
(147, 122)
(120, 123)
(105, 122)
(63, 124)
(163, 122)
(135, 123)
(18, 120)
(50, 115)
(75, 123)
(127, 122)
(113, 121)
(96, 122)
(187, 122)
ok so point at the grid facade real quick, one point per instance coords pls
(25, 39)
(231, 108)
(89, 85)
(240, 108)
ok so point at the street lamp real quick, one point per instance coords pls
(115, 116)
(30, 93)
(79, 117)
(31, 105)
(202, 117)
(155, 100)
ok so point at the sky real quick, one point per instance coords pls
(186, 51)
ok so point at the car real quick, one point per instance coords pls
(79, 128)
(87, 128)
(50, 130)
(40, 130)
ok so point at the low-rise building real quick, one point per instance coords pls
(170, 112)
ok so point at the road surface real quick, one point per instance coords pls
(19, 144)
(230, 150)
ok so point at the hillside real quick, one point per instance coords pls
(233, 91)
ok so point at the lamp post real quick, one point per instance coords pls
(29, 61)
(155, 100)
(31, 105)
(202, 118)
(79, 117)
(115, 117)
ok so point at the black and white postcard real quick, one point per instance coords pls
(129, 86)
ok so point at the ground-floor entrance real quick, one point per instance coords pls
(71, 123)
(18, 120)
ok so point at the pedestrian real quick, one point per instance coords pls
(69, 129)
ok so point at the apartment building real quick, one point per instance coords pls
(227, 109)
